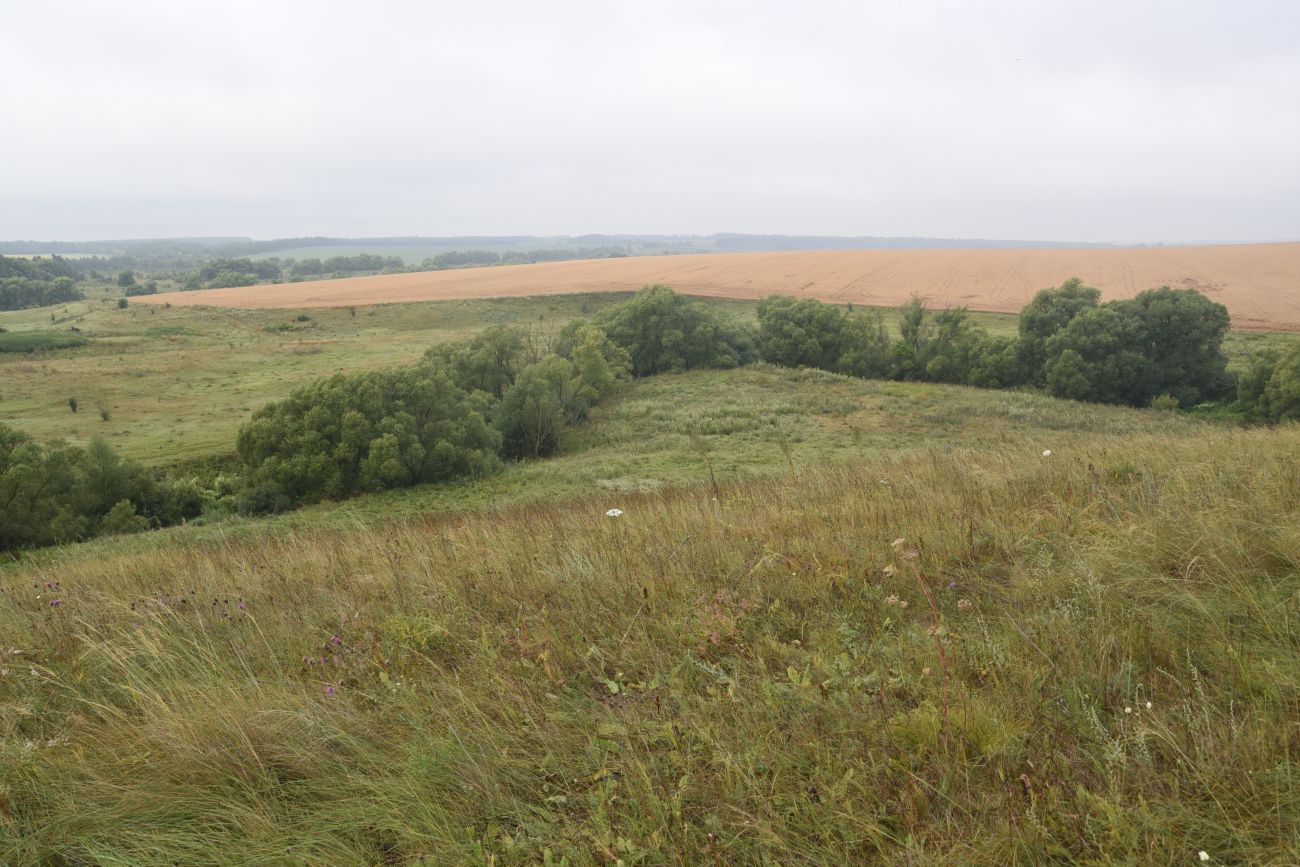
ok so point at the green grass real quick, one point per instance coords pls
(965, 655)
(840, 621)
(38, 341)
(178, 382)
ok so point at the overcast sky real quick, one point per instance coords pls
(1089, 121)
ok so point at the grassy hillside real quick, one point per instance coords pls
(962, 656)
(177, 383)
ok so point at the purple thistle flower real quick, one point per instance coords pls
(56, 602)
(329, 689)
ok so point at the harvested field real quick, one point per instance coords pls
(1259, 283)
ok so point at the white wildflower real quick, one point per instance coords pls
(1203, 855)
(1128, 710)
(1047, 453)
(613, 513)
(1148, 705)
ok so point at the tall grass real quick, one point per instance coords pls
(748, 674)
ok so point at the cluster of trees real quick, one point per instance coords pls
(506, 394)
(223, 273)
(58, 493)
(1164, 343)
(28, 283)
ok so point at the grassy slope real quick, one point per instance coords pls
(756, 678)
(178, 383)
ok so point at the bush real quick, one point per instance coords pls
(536, 409)
(801, 333)
(663, 331)
(1164, 341)
(368, 432)
(1269, 390)
(267, 498)
(122, 519)
(1044, 316)
(1165, 403)
(489, 362)
(56, 493)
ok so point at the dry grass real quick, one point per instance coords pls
(749, 679)
(1259, 283)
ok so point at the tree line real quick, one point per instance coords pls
(26, 283)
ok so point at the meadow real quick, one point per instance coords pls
(832, 620)
(967, 655)
(177, 382)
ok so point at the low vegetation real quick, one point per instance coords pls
(976, 657)
(38, 341)
(511, 392)
(785, 588)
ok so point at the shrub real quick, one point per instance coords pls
(1164, 403)
(1164, 341)
(1049, 312)
(663, 331)
(122, 519)
(367, 432)
(537, 407)
(800, 333)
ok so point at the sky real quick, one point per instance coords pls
(1007, 119)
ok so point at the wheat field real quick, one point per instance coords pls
(1258, 283)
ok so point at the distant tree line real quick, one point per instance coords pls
(28, 283)
(362, 262)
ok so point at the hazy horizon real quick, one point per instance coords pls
(1105, 122)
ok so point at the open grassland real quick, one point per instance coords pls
(1258, 283)
(704, 427)
(968, 655)
(177, 382)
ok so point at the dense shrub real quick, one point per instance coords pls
(1269, 390)
(223, 273)
(559, 390)
(801, 333)
(663, 331)
(1164, 341)
(489, 362)
(58, 493)
(368, 432)
(1049, 312)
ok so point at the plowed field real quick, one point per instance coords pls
(1259, 283)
